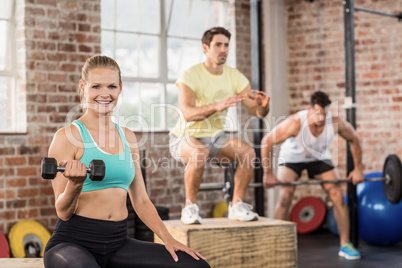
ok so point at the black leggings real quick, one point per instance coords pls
(133, 253)
(80, 250)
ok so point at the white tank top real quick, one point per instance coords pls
(305, 147)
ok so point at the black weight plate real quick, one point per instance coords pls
(392, 170)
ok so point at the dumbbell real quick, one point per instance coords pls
(96, 169)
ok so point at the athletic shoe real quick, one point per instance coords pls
(242, 212)
(189, 214)
(349, 252)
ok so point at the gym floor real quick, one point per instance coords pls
(320, 249)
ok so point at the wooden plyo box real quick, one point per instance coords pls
(265, 243)
(22, 263)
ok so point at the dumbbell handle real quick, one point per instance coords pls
(62, 169)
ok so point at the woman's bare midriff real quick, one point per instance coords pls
(106, 204)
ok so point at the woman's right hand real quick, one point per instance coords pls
(75, 171)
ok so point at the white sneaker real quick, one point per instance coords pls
(242, 212)
(189, 214)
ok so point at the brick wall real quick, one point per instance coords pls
(243, 63)
(54, 39)
(316, 62)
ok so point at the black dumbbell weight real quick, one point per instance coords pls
(96, 169)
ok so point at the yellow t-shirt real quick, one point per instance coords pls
(208, 89)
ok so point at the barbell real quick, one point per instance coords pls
(392, 181)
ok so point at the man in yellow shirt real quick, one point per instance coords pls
(206, 90)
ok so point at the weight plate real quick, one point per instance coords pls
(25, 232)
(220, 210)
(4, 248)
(392, 172)
(308, 214)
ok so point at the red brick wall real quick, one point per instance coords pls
(316, 61)
(54, 40)
(243, 63)
(243, 41)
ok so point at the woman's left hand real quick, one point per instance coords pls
(173, 245)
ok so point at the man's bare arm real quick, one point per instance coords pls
(286, 129)
(346, 131)
(192, 112)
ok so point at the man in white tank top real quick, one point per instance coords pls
(306, 137)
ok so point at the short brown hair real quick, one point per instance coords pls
(320, 98)
(209, 34)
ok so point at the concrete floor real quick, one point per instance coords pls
(320, 249)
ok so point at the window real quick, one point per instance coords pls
(8, 94)
(154, 41)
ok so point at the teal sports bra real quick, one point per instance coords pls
(120, 170)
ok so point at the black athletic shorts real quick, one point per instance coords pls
(313, 168)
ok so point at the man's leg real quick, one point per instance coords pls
(286, 193)
(236, 150)
(194, 154)
(341, 212)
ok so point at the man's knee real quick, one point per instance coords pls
(285, 199)
(247, 153)
(198, 157)
(336, 196)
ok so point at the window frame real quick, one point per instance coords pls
(163, 76)
(11, 74)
